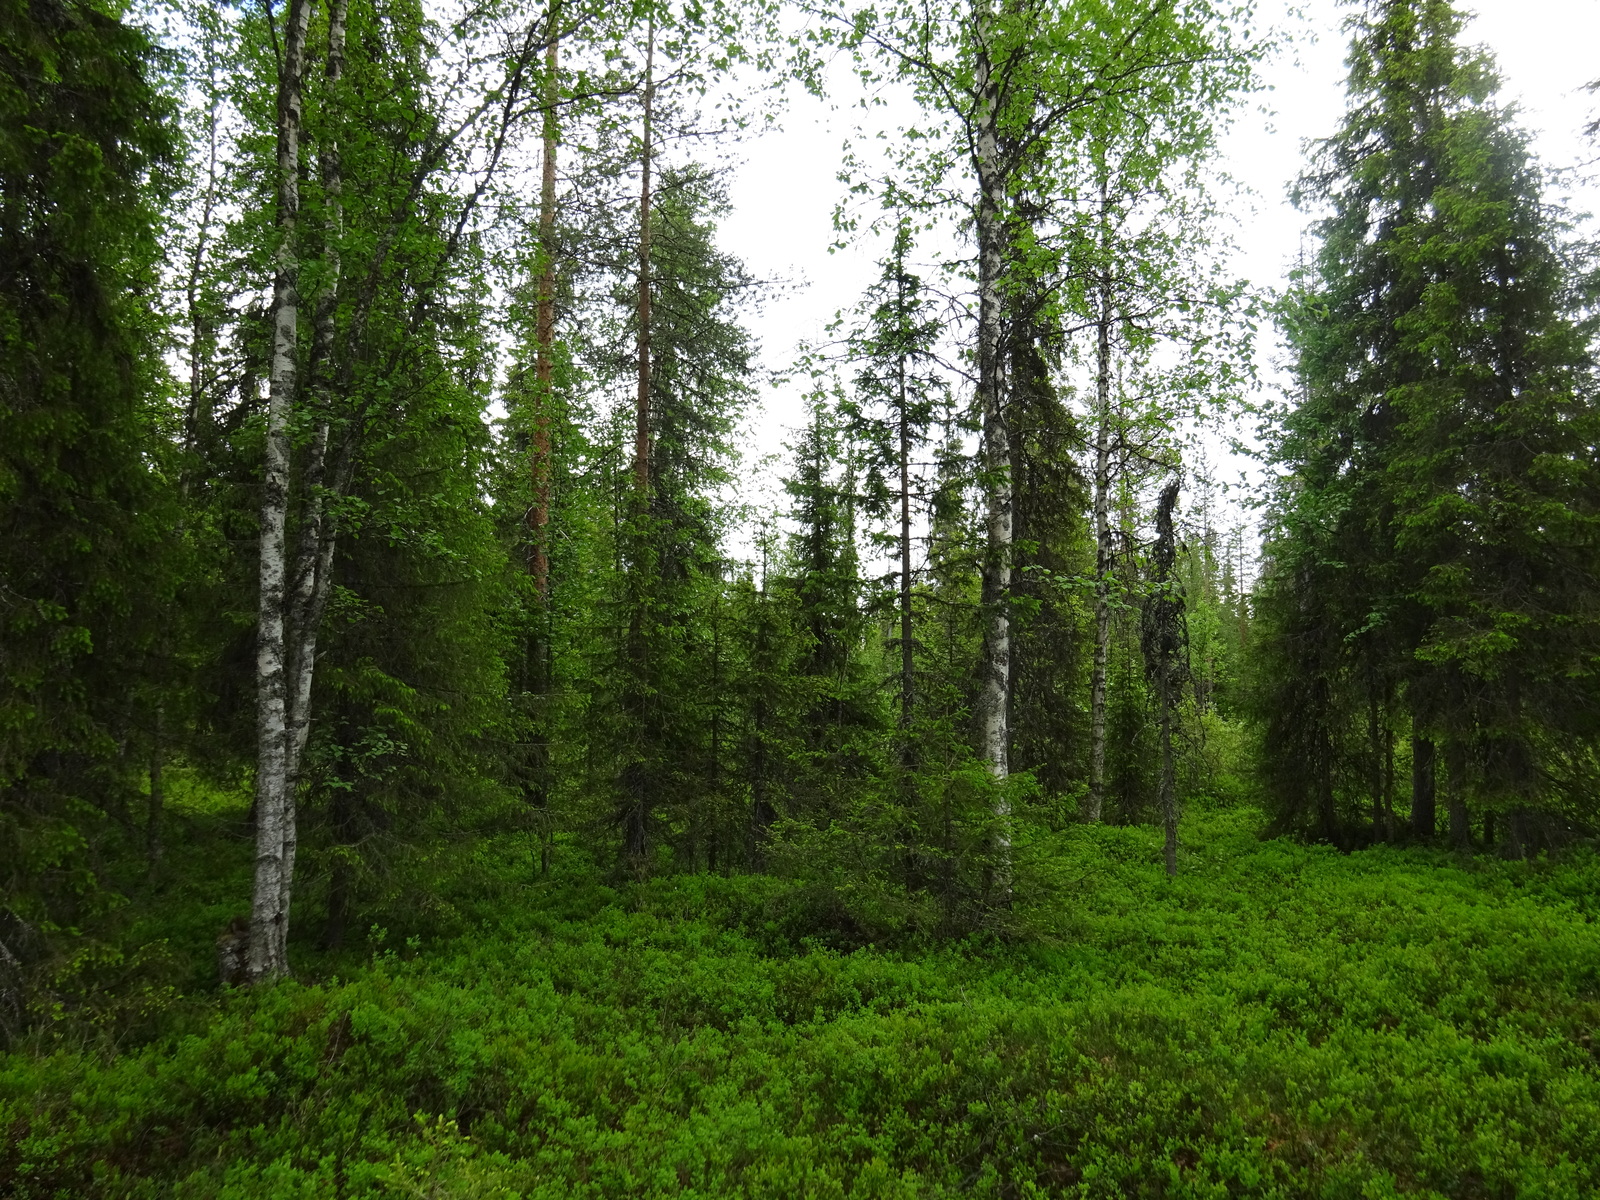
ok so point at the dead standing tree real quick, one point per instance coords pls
(1164, 638)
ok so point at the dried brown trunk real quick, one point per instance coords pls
(1169, 785)
(1165, 646)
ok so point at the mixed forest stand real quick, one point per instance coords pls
(376, 550)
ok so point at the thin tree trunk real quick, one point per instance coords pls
(341, 876)
(714, 784)
(907, 657)
(1517, 828)
(635, 784)
(996, 675)
(761, 810)
(545, 333)
(1327, 816)
(269, 918)
(1102, 530)
(641, 428)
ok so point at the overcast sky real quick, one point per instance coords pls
(786, 189)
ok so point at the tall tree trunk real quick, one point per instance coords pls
(903, 415)
(714, 783)
(1518, 831)
(996, 673)
(635, 781)
(540, 653)
(200, 329)
(269, 917)
(545, 332)
(1102, 526)
(341, 875)
(1423, 819)
(641, 427)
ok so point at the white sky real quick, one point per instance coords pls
(785, 192)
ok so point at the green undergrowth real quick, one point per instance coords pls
(1281, 1020)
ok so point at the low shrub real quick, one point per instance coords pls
(1280, 1021)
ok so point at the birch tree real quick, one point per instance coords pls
(274, 817)
(326, 386)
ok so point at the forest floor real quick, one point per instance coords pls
(1280, 1020)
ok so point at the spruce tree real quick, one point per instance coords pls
(1439, 529)
(649, 704)
(88, 553)
(840, 711)
(1052, 547)
(889, 418)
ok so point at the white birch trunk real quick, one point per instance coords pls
(269, 918)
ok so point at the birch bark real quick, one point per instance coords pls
(268, 917)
